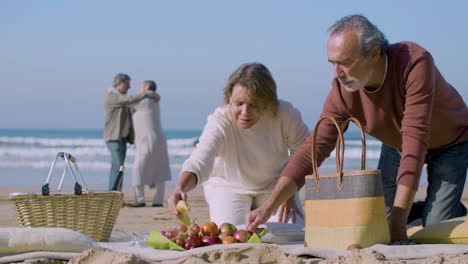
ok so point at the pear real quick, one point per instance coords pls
(183, 209)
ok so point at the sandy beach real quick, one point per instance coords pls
(137, 220)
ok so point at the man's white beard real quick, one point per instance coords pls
(356, 84)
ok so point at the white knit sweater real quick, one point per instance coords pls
(247, 160)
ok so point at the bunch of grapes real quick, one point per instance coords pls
(209, 233)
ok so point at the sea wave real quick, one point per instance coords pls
(92, 153)
(84, 152)
(98, 142)
(88, 165)
(103, 152)
(21, 158)
(51, 142)
(181, 142)
(77, 142)
(355, 153)
(359, 143)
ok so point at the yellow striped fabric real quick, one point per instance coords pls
(345, 212)
(344, 223)
(344, 238)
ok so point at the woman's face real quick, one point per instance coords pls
(244, 108)
(144, 88)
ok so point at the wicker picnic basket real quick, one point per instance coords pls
(90, 212)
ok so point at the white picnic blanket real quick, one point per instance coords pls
(288, 238)
(296, 249)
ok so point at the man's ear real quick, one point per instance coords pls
(375, 53)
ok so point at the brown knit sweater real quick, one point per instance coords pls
(415, 110)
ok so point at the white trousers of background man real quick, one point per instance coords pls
(228, 207)
(158, 197)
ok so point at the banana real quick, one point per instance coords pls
(183, 209)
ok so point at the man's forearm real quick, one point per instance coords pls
(125, 100)
(285, 188)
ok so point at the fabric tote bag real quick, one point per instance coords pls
(344, 210)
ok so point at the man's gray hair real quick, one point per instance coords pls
(369, 34)
(151, 85)
(120, 78)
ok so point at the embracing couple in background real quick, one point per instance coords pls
(136, 119)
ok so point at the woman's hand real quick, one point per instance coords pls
(175, 197)
(289, 208)
(187, 181)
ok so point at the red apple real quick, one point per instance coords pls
(210, 229)
(223, 235)
(229, 240)
(227, 228)
(258, 230)
(242, 235)
(210, 240)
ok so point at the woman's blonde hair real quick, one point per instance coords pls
(257, 79)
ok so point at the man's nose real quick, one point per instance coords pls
(338, 71)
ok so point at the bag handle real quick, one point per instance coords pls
(339, 153)
(68, 160)
(339, 149)
(363, 139)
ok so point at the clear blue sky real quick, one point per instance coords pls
(58, 57)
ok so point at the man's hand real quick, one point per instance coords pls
(288, 208)
(401, 208)
(284, 189)
(152, 95)
(175, 197)
(397, 226)
(257, 217)
(156, 97)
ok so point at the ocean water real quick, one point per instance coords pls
(27, 154)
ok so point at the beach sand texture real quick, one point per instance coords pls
(137, 220)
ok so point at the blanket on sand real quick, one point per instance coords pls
(236, 252)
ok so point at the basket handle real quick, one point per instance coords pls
(68, 160)
(339, 153)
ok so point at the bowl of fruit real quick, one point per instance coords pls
(188, 234)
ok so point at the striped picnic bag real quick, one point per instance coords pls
(344, 210)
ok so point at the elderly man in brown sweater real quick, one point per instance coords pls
(401, 99)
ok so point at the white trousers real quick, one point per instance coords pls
(228, 207)
(158, 197)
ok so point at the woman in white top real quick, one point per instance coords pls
(243, 148)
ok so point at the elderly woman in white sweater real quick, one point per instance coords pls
(244, 146)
